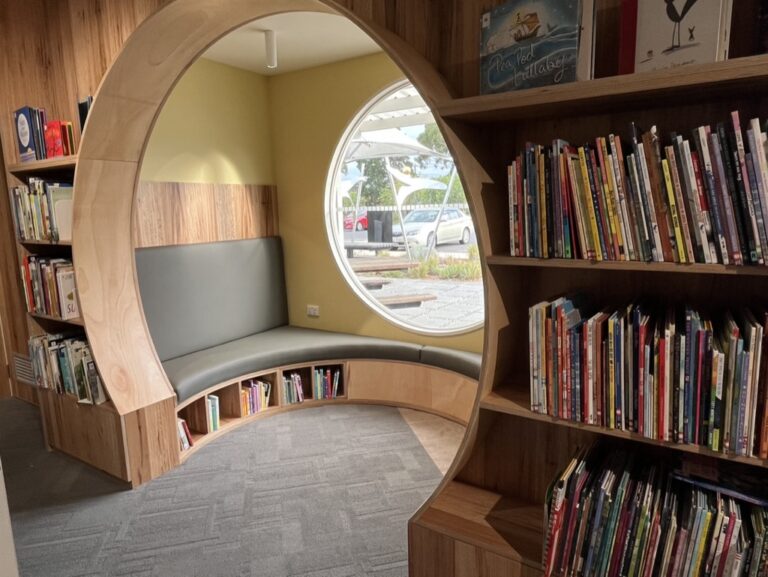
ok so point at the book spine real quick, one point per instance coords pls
(652, 171)
(679, 240)
(512, 191)
(724, 198)
(701, 141)
(685, 222)
(593, 207)
(625, 198)
(736, 197)
(757, 144)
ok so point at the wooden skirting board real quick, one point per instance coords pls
(183, 213)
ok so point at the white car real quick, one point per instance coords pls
(420, 225)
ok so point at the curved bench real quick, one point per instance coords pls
(217, 314)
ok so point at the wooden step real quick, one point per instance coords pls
(405, 301)
(381, 265)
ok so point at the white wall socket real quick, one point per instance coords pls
(313, 310)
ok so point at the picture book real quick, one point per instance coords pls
(528, 44)
(680, 32)
(24, 134)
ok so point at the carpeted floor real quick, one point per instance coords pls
(323, 492)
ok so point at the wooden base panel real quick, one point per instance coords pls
(151, 441)
(468, 531)
(92, 434)
(430, 389)
(25, 392)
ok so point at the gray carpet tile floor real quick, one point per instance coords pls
(322, 492)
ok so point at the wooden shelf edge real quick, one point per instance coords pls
(619, 266)
(43, 243)
(512, 402)
(506, 526)
(77, 322)
(641, 86)
(47, 165)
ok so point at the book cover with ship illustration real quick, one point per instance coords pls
(529, 43)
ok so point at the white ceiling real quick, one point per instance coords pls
(304, 40)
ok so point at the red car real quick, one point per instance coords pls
(360, 224)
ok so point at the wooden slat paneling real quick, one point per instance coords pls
(185, 213)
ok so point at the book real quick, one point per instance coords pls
(24, 120)
(529, 43)
(672, 34)
(83, 108)
(55, 138)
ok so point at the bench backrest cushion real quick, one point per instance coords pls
(198, 296)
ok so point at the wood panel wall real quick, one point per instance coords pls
(53, 52)
(185, 213)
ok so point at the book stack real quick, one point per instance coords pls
(185, 436)
(214, 417)
(675, 375)
(625, 515)
(65, 364)
(254, 396)
(326, 383)
(49, 287)
(293, 391)
(700, 199)
(39, 138)
(43, 211)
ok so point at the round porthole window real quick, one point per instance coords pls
(398, 218)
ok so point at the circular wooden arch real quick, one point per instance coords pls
(128, 102)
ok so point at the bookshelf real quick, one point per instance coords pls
(512, 453)
(90, 432)
(232, 414)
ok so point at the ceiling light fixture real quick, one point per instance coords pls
(271, 43)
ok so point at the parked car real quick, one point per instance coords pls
(361, 223)
(420, 225)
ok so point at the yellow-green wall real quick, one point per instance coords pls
(310, 110)
(214, 128)
(226, 125)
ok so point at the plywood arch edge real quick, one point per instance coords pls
(127, 104)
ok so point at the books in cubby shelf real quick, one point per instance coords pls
(620, 513)
(64, 363)
(327, 382)
(49, 287)
(42, 211)
(293, 388)
(255, 396)
(702, 199)
(38, 138)
(214, 414)
(669, 374)
(185, 435)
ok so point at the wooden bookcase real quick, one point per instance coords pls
(91, 433)
(488, 516)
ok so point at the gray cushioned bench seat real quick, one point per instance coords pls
(218, 311)
(462, 362)
(193, 373)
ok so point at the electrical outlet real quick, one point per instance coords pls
(313, 311)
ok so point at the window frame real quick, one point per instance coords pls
(336, 237)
